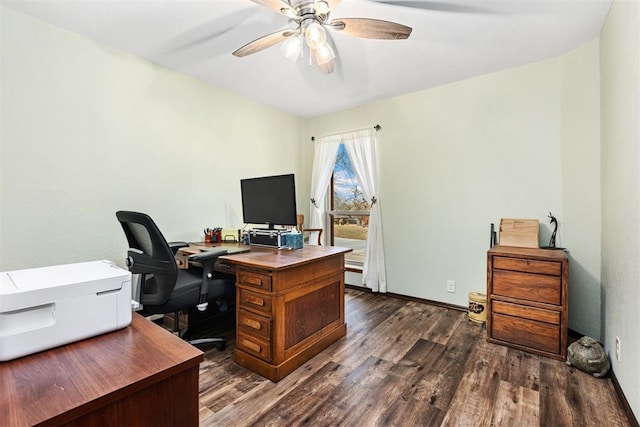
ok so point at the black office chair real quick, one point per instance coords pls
(164, 288)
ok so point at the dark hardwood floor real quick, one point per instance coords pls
(405, 363)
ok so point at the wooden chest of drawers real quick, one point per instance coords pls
(527, 295)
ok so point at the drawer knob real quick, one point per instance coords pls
(251, 345)
(256, 281)
(255, 300)
(253, 324)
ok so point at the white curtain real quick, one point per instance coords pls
(324, 158)
(360, 146)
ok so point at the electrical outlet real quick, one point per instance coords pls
(451, 286)
(617, 348)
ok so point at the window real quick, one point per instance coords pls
(349, 212)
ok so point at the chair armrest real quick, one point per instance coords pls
(174, 246)
(205, 256)
(207, 259)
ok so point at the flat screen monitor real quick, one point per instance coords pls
(269, 200)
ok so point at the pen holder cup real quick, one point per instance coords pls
(207, 238)
(294, 241)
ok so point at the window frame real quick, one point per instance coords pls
(350, 265)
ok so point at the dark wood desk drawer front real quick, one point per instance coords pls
(254, 301)
(254, 279)
(526, 312)
(254, 324)
(532, 287)
(254, 345)
(524, 332)
(224, 266)
(527, 265)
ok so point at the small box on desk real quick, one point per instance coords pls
(521, 233)
(266, 237)
(294, 240)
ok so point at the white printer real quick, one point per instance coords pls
(46, 307)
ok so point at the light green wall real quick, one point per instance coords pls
(581, 219)
(88, 130)
(519, 143)
(620, 81)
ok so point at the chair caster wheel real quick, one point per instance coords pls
(221, 345)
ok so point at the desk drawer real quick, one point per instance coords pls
(254, 279)
(254, 324)
(254, 345)
(254, 301)
(224, 266)
(524, 332)
(532, 287)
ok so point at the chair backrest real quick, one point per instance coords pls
(315, 230)
(149, 255)
(302, 229)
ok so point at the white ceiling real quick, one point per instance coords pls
(451, 40)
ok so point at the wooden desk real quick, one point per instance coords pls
(289, 305)
(139, 375)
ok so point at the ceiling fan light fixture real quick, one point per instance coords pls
(292, 47)
(315, 35)
(321, 7)
(308, 21)
(324, 53)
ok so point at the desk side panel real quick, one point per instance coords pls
(287, 279)
(171, 402)
(311, 312)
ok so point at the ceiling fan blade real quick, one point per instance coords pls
(332, 3)
(210, 30)
(279, 6)
(263, 43)
(370, 28)
(432, 5)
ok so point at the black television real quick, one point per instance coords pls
(269, 200)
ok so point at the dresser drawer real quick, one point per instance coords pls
(254, 345)
(254, 301)
(524, 332)
(254, 279)
(527, 265)
(525, 312)
(532, 287)
(254, 324)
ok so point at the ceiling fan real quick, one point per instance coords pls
(310, 19)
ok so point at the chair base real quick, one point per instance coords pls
(221, 342)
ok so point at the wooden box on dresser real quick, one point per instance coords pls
(527, 299)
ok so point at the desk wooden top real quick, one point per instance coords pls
(59, 384)
(271, 258)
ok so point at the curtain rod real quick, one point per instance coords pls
(376, 127)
